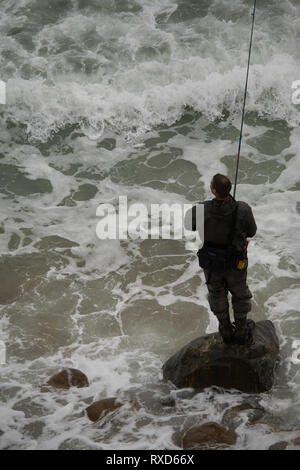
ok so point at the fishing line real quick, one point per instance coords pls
(244, 104)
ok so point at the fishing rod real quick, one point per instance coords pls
(244, 104)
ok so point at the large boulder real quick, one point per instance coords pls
(207, 361)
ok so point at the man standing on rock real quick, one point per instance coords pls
(223, 257)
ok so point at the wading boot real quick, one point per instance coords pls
(226, 330)
(242, 332)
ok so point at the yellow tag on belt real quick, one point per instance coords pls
(241, 264)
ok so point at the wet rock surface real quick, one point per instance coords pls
(68, 378)
(106, 410)
(248, 412)
(168, 401)
(296, 442)
(101, 408)
(282, 445)
(209, 435)
(207, 361)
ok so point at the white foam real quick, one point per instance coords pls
(198, 67)
(199, 63)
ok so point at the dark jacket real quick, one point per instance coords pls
(219, 221)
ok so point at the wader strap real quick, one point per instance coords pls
(194, 225)
(234, 219)
(208, 277)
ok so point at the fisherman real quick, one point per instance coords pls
(223, 257)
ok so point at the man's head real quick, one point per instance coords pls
(220, 186)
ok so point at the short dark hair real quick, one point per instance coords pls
(222, 185)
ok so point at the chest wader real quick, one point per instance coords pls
(220, 259)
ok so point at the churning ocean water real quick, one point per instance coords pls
(140, 98)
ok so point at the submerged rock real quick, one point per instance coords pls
(168, 401)
(207, 361)
(296, 442)
(68, 378)
(106, 408)
(208, 436)
(101, 408)
(246, 412)
(282, 445)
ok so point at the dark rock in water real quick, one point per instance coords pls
(68, 378)
(296, 442)
(185, 393)
(168, 401)
(232, 418)
(245, 412)
(101, 408)
(207, 361)
(208, 436)
(282, 445)
(107, 406)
